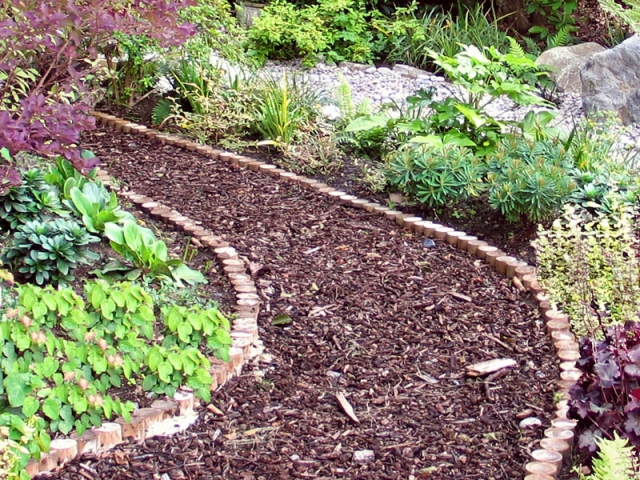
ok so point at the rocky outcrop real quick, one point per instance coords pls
(566, 62)
(611, 81)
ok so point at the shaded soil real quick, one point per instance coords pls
(375, 316)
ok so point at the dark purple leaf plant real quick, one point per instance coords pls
(51, 68)
(606, 399)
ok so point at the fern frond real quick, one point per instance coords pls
(161, 111)
(515, 49)
(344, 99)
(560, 39)
(614, 461)
(628, 12)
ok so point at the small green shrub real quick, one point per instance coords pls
(209, 104)
(589, 267)
(436, 177)
(528, 180)
(133, 67)
(148, 256)
(484, 75)
(559, 20)
(336, 29)
(438, 123)
(217, 29)
(48, 250)
(30, 200)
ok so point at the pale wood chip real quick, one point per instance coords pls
(346, 406)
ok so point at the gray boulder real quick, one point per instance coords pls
(611, 81)
(566, 62)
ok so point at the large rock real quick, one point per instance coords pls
(611, 81)
(566, 62)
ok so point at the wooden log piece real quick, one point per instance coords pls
(463, 242)
(474, 245)
(541, 468)
(556, 445)
(492, 256)
(440, 233)
(501, 263)
(87, 442)
(453, 237)
(64, 449)
(110, 433)
(548, 456)
(135, 429)
(186, 401)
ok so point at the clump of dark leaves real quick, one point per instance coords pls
(606, 399)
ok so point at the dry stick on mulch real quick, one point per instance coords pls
(372, 317)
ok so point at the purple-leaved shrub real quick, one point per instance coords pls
(50, 61)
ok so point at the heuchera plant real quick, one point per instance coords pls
(49, 54)
(606, 399)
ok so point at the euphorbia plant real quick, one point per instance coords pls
(49, 54)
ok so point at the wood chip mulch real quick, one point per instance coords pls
(379, 323)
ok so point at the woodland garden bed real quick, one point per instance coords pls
(376, 323)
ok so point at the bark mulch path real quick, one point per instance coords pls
(375, 316)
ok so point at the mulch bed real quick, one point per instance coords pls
(375, 316)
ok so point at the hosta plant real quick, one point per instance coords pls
(48, 250)
(95, 206)
(147, 255)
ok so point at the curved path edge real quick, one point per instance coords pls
(171, 415)
(554, 453)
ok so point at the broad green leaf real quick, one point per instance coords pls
(173, 318)
(30, 406)
(149, 382)
(48, 367)
(182, 272)
(471, 115)
(39, 310)
(184, 331)
(51, 408)
(282, 319)
(203, 376)
(114, 233)
(175, 360)
(97, 296)
(118, 298)
(164, 372)
(50, 301)
(28, 298)
(17, 386)
(195, 320)
(154, 359)
(368, 122)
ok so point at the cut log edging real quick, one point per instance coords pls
(244, 335)
(555, 448)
